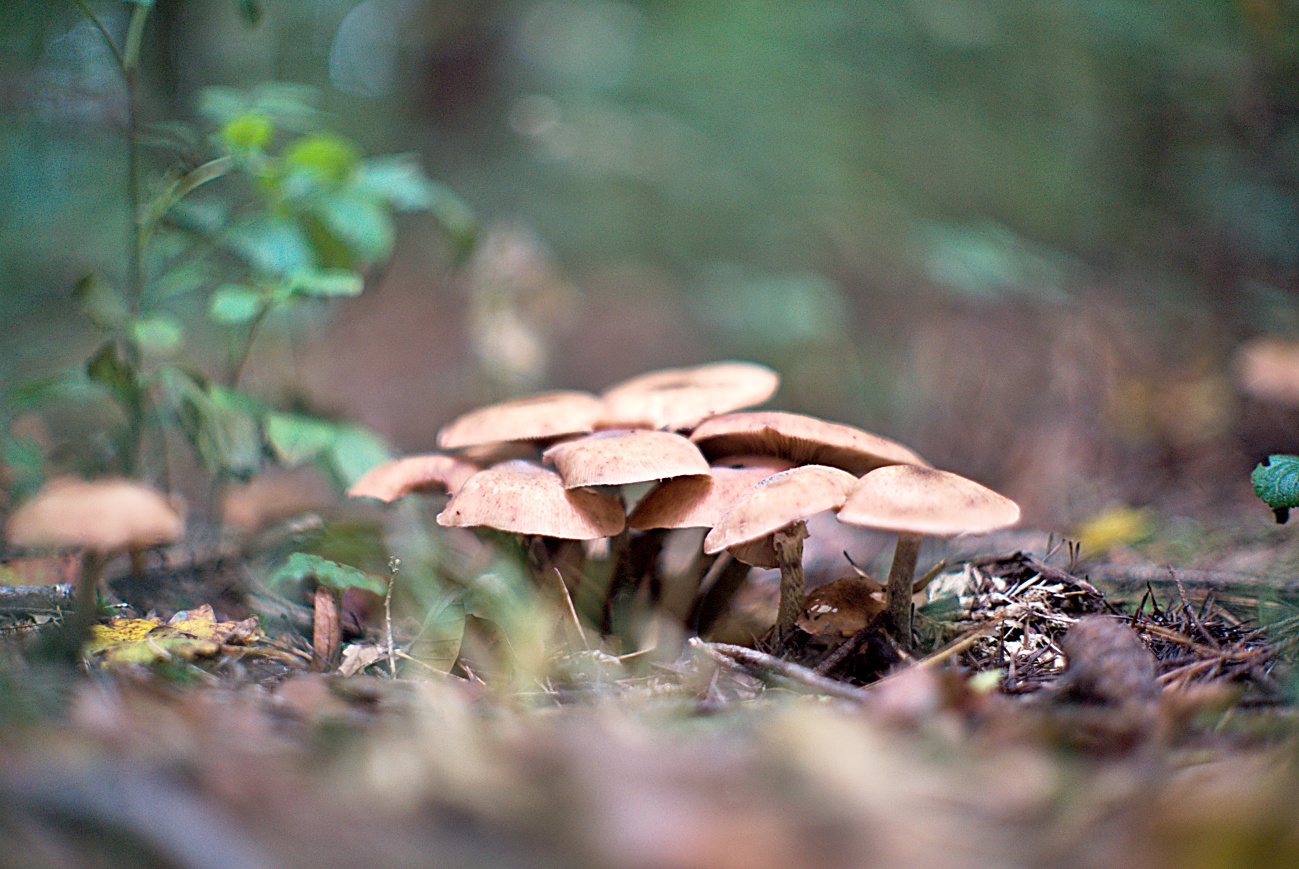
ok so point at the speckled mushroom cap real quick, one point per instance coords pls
(778, 501)
(918, 500)
(802, 439)
(524, 498)
(533, 417)
(700, 502)
(431, 472)
(101, 515)
(621, 456)
(678, 398)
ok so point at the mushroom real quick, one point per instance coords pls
(393, 479)
(799, 438)
(524, 498)
(678, 398)
(915, 501)
(700, 502)
(616, 458)
(766, 527)
(534, 417)
(102, 518)
(622, 456)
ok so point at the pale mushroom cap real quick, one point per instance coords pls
(920, 500)
(700, 502)
(803, 439)
(533, 417)
(616, 458)
(678, 398)
(103, 516)
(430, 472)
(778, 501)
(1268, 369)
(524, 498)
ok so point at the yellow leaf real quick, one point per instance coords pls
(1113, 527)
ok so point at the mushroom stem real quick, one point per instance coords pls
(899, 590)
(788, 543)
(84, 607)
(728, 574)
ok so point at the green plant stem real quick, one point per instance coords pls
(99, 25)
(239, 363)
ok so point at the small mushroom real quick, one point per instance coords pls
(534, 417)
(915, 501)
(431, 472)
(678, 398)
(523, 498)
(766, 527)
(799, 438)
(102, 518)
(623, 456)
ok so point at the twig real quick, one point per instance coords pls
(764, 666)
(572, 610)
(394, 563)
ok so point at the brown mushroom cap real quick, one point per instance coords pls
(802, 439)
(918, 500)
(619, 457)
(678, 398)
(524, 498)
(102, 516)
(432, 472)
(700, 502)
(778, 501)
(534, 417)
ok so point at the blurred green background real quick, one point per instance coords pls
(1025, 237)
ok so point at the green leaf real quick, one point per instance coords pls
(438, 643)
(234, 304)
(272, 245)
(1276, 483)
(103, 305)
(328, 158)
(362, 224)
(219, 103)
(330, 574)
(327, 282)
(109, 367)
(248, 131)
(22, 458)
(296, 438)
(400, 181)
(355, 450)
(67, 385)
(221, 424)
(157, 335)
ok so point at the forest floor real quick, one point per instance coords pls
(1118, 712)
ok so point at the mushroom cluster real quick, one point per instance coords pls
(548, 466)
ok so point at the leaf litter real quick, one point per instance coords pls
(985, 751)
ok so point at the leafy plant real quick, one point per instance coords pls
(1276, 482)
(254, 214)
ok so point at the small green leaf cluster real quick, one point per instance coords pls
(1276, 483)
(330, 574)
(253, 215)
